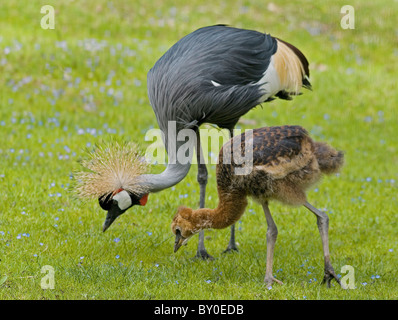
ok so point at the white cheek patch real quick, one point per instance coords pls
(123, 200)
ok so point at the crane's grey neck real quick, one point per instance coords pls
(180, 155)
(173, 174)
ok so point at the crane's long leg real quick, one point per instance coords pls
(202, 180)
(323, 226)
(272, 233)
(232, 242)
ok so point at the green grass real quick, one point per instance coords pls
(85, 81)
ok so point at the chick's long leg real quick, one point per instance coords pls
(202, 180)
(272, 233)
(323, 226)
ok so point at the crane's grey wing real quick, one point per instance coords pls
(210, 75)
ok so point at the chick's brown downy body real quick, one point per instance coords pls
(285, 163)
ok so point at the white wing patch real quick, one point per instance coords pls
(270, 82)
(216, 84)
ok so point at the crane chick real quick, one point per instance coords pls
(286, 162)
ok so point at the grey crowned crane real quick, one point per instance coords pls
(214, 75)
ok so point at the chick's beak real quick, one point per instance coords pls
(179, 241)
(111, 216)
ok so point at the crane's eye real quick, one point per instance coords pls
(105, 201)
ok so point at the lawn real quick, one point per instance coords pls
(63, 90)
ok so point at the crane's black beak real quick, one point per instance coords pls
(111, 216)
(180, 240)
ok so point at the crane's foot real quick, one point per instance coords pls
(231, 249)
(203, 255)
(269, 280)
(330, 275)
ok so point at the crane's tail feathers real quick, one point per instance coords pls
(292, 68)
(329, 159)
